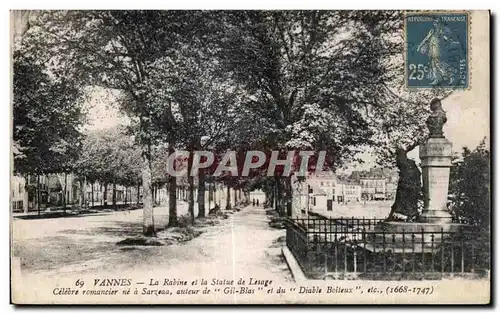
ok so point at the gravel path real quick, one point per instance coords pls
(241, 246)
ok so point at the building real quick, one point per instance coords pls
(391, 188)
(349, 191)
(18, 197)
(326, 189)
(373, 188)
(53, 187)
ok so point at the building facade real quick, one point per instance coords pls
(373, 188)
(55, 190)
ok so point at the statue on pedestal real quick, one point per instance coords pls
(436, 120)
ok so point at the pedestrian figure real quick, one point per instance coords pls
(253, 201)
(257, 202)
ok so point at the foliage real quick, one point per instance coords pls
(48, 113)
(110, 156)
(470, 185)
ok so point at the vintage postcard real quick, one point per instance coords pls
(250, 157)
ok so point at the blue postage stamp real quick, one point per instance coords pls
(437, 49)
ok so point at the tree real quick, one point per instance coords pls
(469, 191)
(311, 74)
(116, 50)
(110, 156)
(48, 112)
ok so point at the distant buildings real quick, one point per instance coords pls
(326, 188)
(49, 191)
(373, 188)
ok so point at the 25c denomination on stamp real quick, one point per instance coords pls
(437, 49)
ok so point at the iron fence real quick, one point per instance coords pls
(344, 248)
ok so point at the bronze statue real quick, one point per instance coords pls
(409, 191)
(436, 120)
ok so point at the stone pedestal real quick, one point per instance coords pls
(435, 155)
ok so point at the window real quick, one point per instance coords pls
(322, 183)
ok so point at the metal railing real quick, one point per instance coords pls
(353, 247)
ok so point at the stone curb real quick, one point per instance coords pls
(297, 273)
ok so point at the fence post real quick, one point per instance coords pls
(330, 229)
(413, 252)
(462, 249)
(355, 253)
(341, 226)
(325, 232)
(452, 257)
(345, 255)
(432, 253)
(393, 252)
(364, 249)
(403, 260)
(442, 252)
(423, 250)
(383, 248)
(336, 250)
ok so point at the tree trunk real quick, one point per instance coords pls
(148, 226)
(172, 201)
(288, 200)
(228, 198)
(219, 196)
(82, 192)
(157, 194)
(138, 194)
(269, 197)
(152, 191)
(126, 195)
(210, 196)
(92, 193)
(65, 191)
(201, 193)
(114, 195)
(26, 195)
(105, 195)
(191, 198)
(214, 192)
(38, 194)
(172, 204)
(279, 197)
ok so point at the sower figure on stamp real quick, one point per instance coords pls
(439, 70)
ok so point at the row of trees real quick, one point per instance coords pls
(219, 80)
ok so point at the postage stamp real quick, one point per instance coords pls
(437, 49)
